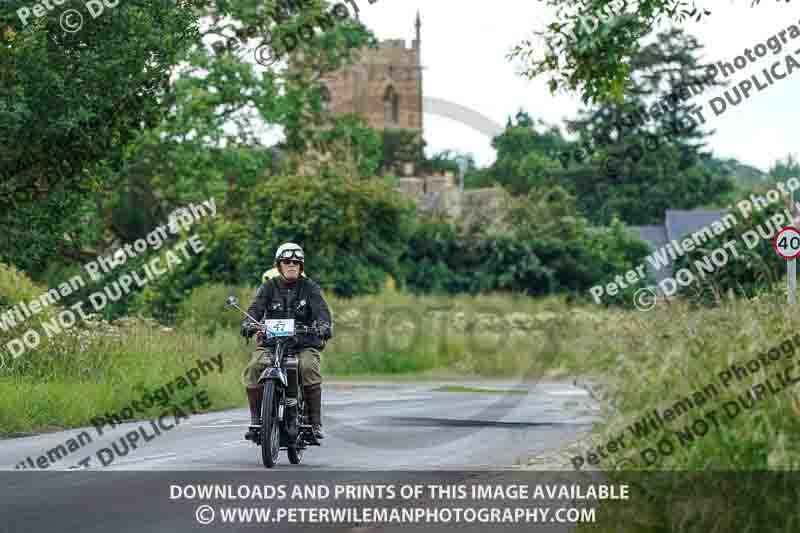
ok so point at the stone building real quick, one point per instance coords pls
(383, 86)
(440, 195)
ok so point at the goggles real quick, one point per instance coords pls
(291, 254)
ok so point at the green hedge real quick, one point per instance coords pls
(440, 260)
(357, 233)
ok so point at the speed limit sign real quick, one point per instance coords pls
(787, 242)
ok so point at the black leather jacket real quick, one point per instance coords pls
(301, 300)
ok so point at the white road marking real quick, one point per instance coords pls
(567, 392)
(227, 426)
(233, 444)
(149, 458)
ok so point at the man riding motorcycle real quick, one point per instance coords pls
(290, 296)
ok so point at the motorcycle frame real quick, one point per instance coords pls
(277, 374)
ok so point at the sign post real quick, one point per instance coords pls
(787, 244)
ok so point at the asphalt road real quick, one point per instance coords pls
(396, 432)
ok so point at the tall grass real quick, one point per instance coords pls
(651, 360)
(111, 373)
(394, 333)
(668, 354)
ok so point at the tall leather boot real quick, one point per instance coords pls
(255, 395)
(313, 398)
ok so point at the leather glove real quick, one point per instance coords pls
(325, 330)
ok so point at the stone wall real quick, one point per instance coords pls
(414, 188)
(439, 195)
(484, 205)
(438, 184)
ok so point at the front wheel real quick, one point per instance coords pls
(270, 430)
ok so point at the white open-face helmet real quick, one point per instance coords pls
(289, 250)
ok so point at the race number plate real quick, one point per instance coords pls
(280, 327)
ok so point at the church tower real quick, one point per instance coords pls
(384, 86)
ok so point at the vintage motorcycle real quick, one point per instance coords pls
(283, 421)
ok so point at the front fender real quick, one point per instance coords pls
(275, 374)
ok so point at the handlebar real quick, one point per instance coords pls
(321, 329)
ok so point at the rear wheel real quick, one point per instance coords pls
(295, 452)
(270, 430)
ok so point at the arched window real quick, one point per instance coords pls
(391, 107)
(326, 99)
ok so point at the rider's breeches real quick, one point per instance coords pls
(308, 361)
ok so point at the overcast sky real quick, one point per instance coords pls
(464, 48)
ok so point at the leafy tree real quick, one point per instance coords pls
(400, 146)
(479, 178)
(220, 102)
(444, 161)
(126, 144)
(783, 169)
(644, 163)
(69, 105)
(545, 212)
(522, 154)
(591, 44)
(347, 147)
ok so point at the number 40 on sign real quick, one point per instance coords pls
(787, 242)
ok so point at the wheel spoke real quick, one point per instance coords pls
(270, 444)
